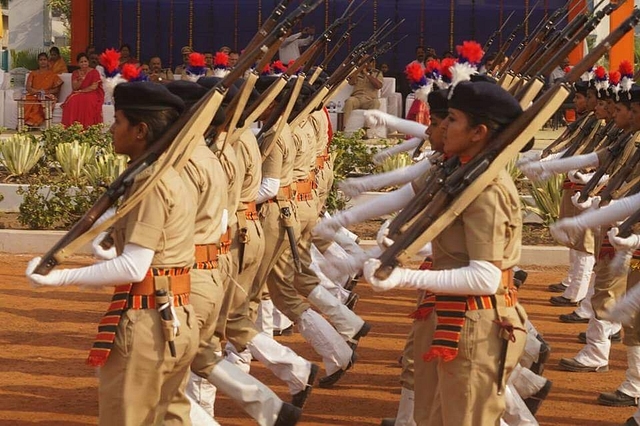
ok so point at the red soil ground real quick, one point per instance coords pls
(45, 336)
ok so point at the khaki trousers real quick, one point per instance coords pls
(358, 103)
(141, 378)
(464, 391)
(240, 329)
(206, 298)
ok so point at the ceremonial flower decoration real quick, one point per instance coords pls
(220, 64)
(132, 73)
(432, 70)
(445, 72)
(266, 70)
(418, 81)
(626, 76)
(197, 67)
(470, 54)
(278, 68)
(601, 79)
(614, 83)
(110, 61)
(567, 69)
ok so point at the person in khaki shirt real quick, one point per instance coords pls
(366, 84)
(139, 377)
(458, 380)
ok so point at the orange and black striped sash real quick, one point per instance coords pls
(108, 325)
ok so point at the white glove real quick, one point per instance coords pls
(533, 170)
(108, 214)
(383, 241)
(405, 146)
(479, 278)
(528, 157)
(590, 203)
(131, 266)
(625, 310)
(561, 229)
(629, 243)
(376, 118)
(355, 186)
(426, 250)
(388, 203)
(99, 251)
(327, 228)
(617, 210)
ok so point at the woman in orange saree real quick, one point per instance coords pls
(41, 83)
(84, 105)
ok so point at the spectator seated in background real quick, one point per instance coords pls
(365, 91)
(84, 105)
(186, 51)
(41, 83)
(125, 56)
(157, 74)
(56, 63)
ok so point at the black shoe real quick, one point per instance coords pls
(631, 422)
(388, 422)
(562, 301)
(615, 337)
(355, 340)
(289, 415)
(301, 397)
(332, 379)
(534, 401)
(519, 277)
(557, 288)
(617, 399)
(286, 332)
(570, 364)
(352, 300)
(543, 356)
(573, 318)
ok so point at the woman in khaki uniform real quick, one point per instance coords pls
(139, 374)
(474, 305)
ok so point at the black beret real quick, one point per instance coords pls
(148, 96)
(438, 102)
(604, 93)
(188, 91)
(486, 100)
(581, 87)
(634, 93)
(265, 81)
(483, 77)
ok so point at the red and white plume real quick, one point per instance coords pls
(220, 64)
(110, 61)
(470, 54)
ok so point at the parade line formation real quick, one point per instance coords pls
(218, 225)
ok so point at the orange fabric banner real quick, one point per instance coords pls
(80, 15)
(576, 7)
(625, 47)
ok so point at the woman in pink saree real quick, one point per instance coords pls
(84, 105)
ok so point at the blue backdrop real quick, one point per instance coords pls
(162, 27)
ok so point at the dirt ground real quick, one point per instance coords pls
(45, 336)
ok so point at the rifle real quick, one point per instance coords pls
(613, 152)
(531, 44)
(325, 63)
(461, 187)
(171, 148)
(327, 35)
(569, 133)
(489, 42)
(503, 49)
(587, 132)
(268, 25)
(620, 177)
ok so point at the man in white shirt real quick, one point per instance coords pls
(290, 48)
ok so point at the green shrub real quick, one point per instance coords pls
(74, 156)
(547, 196)
(94, 136)
(20, 154)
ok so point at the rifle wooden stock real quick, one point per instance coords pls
(620, 177)
(569, 133)
(464, 185)
(533, 88)
(614, 151)
(171, 149)
(626, 228)
(587, 133)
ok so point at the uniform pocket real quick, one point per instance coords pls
(124, 334)
(468, 335)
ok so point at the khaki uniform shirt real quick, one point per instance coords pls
(249, 163)
(489, 229)
(229, 161)
(163, 222)
(204, 176)
(279, 162)
(363, 87)
(318, 120)
(303, 137)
